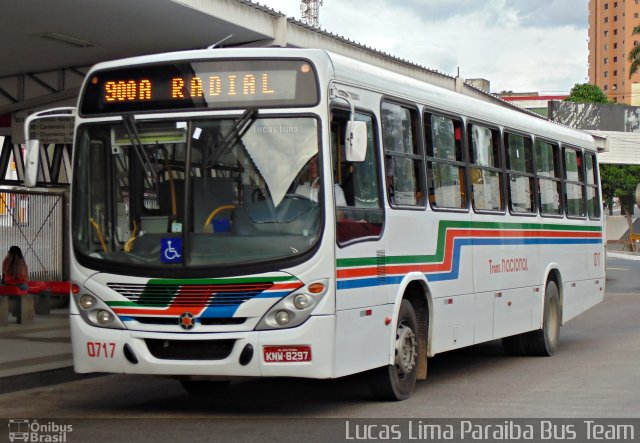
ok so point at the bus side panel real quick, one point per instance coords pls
(512, 312)
(594, 293)
(437, 245)
(453, 321)
(580, 296)
(571, 305)
(361, 338)
(580, 269)
(360, 290)
(484, 313)
(507, 272)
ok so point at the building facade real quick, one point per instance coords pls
(617, 126)
(532, 101)
(611, 24)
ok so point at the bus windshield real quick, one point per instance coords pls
(189, 193)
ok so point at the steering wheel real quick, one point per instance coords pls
(300, 197)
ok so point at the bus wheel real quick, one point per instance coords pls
(544, 341)
(395, 382)
(202, 388)
(514, 345)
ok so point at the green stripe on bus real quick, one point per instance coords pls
(123, 303)
(451, 224)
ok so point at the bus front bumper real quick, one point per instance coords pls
(303, 351)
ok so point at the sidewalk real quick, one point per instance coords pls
(624, 255)
(37, 353)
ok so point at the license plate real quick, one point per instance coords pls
(286, 354)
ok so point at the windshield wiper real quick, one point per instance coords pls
(132, 133)
(237, 131)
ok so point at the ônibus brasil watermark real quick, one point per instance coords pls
(22, 429)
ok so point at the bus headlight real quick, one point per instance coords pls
(104, 317)
(95, 312)
(283, 318)
(86, 301)
(301, 301)
(295, 308)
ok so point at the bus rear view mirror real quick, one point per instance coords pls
(32, 160)
(356, 141)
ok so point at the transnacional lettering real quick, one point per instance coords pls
(508, 265)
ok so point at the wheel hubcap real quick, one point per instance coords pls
(405, 350)
(552, 327)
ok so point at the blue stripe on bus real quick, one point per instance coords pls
(457, 246)
(220, 311)
(272, 294)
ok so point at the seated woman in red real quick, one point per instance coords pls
(14, 269)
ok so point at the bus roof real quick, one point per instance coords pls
(434, 97)
(394, 85)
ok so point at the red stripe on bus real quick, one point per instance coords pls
(451, 235)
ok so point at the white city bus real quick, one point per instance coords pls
(292, 212)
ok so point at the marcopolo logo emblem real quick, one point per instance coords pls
(187, 321)
(22, 429)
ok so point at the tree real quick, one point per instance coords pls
(587, 93)
(634, 54)
(620, 181)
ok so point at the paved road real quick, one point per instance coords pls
(594, 375)
(623, 276)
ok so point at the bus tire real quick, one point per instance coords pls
(514, 345)
(204, 389)
(544, 342)
(395, 382)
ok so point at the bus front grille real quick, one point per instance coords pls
(189, 349)
(189, 295)
(206, 321)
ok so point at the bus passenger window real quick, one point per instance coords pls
(402, 155)
(593, 196)
(445, 162)
(520, 174)
(486, 177)
(359, 213)
(549, 179)
(574, 183)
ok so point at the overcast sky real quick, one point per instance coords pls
(518, 45)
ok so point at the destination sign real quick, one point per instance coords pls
(210, 84)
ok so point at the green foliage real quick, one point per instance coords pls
(620, 181)
(634, 54)
(587, 93)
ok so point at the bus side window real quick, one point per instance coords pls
(520, 173)
(359, 214)
(445, 162)
(574, 179)
(549, 178)
(486, 175)
(593, 195)
(402, 155)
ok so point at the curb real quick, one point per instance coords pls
(623, 256)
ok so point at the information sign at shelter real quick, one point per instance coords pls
(53, 130)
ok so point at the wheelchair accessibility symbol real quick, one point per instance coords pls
(171, 250)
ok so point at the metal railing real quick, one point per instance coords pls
(36, 221)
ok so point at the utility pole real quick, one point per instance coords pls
(310, 10)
